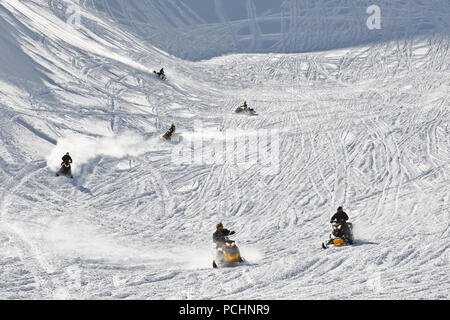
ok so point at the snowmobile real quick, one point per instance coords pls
(340, 237)
(243, 110)
(168, 135)
(161, 76)
(66, 170)
(227, 255)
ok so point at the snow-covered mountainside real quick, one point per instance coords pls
(345, 116)
(201, 29)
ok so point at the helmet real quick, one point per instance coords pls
(340, 209)
(67, 154)
(219, 225)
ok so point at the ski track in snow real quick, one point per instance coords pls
(366, 127)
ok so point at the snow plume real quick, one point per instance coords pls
(251, 254)
(66, 235)
(83, 148)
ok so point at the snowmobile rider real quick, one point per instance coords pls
(161, 73)
(220, 234)
(172, 128)
(67, 159)
(244, 106)
(341, 217)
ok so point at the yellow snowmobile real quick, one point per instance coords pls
(168, 135)
(340, 235)
(228, 255)
(245, 110)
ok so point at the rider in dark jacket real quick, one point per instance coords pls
(220, 234)
(67, 159)
(172, 128)
(339, 216)
(161, 73)
(65, 166)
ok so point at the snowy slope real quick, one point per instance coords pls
(364, 124)
(201, 29)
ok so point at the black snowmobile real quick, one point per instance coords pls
(340, 235)
(66, 170)
(160, 74)
(227, 255)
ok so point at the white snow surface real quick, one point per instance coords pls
(357, 119)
